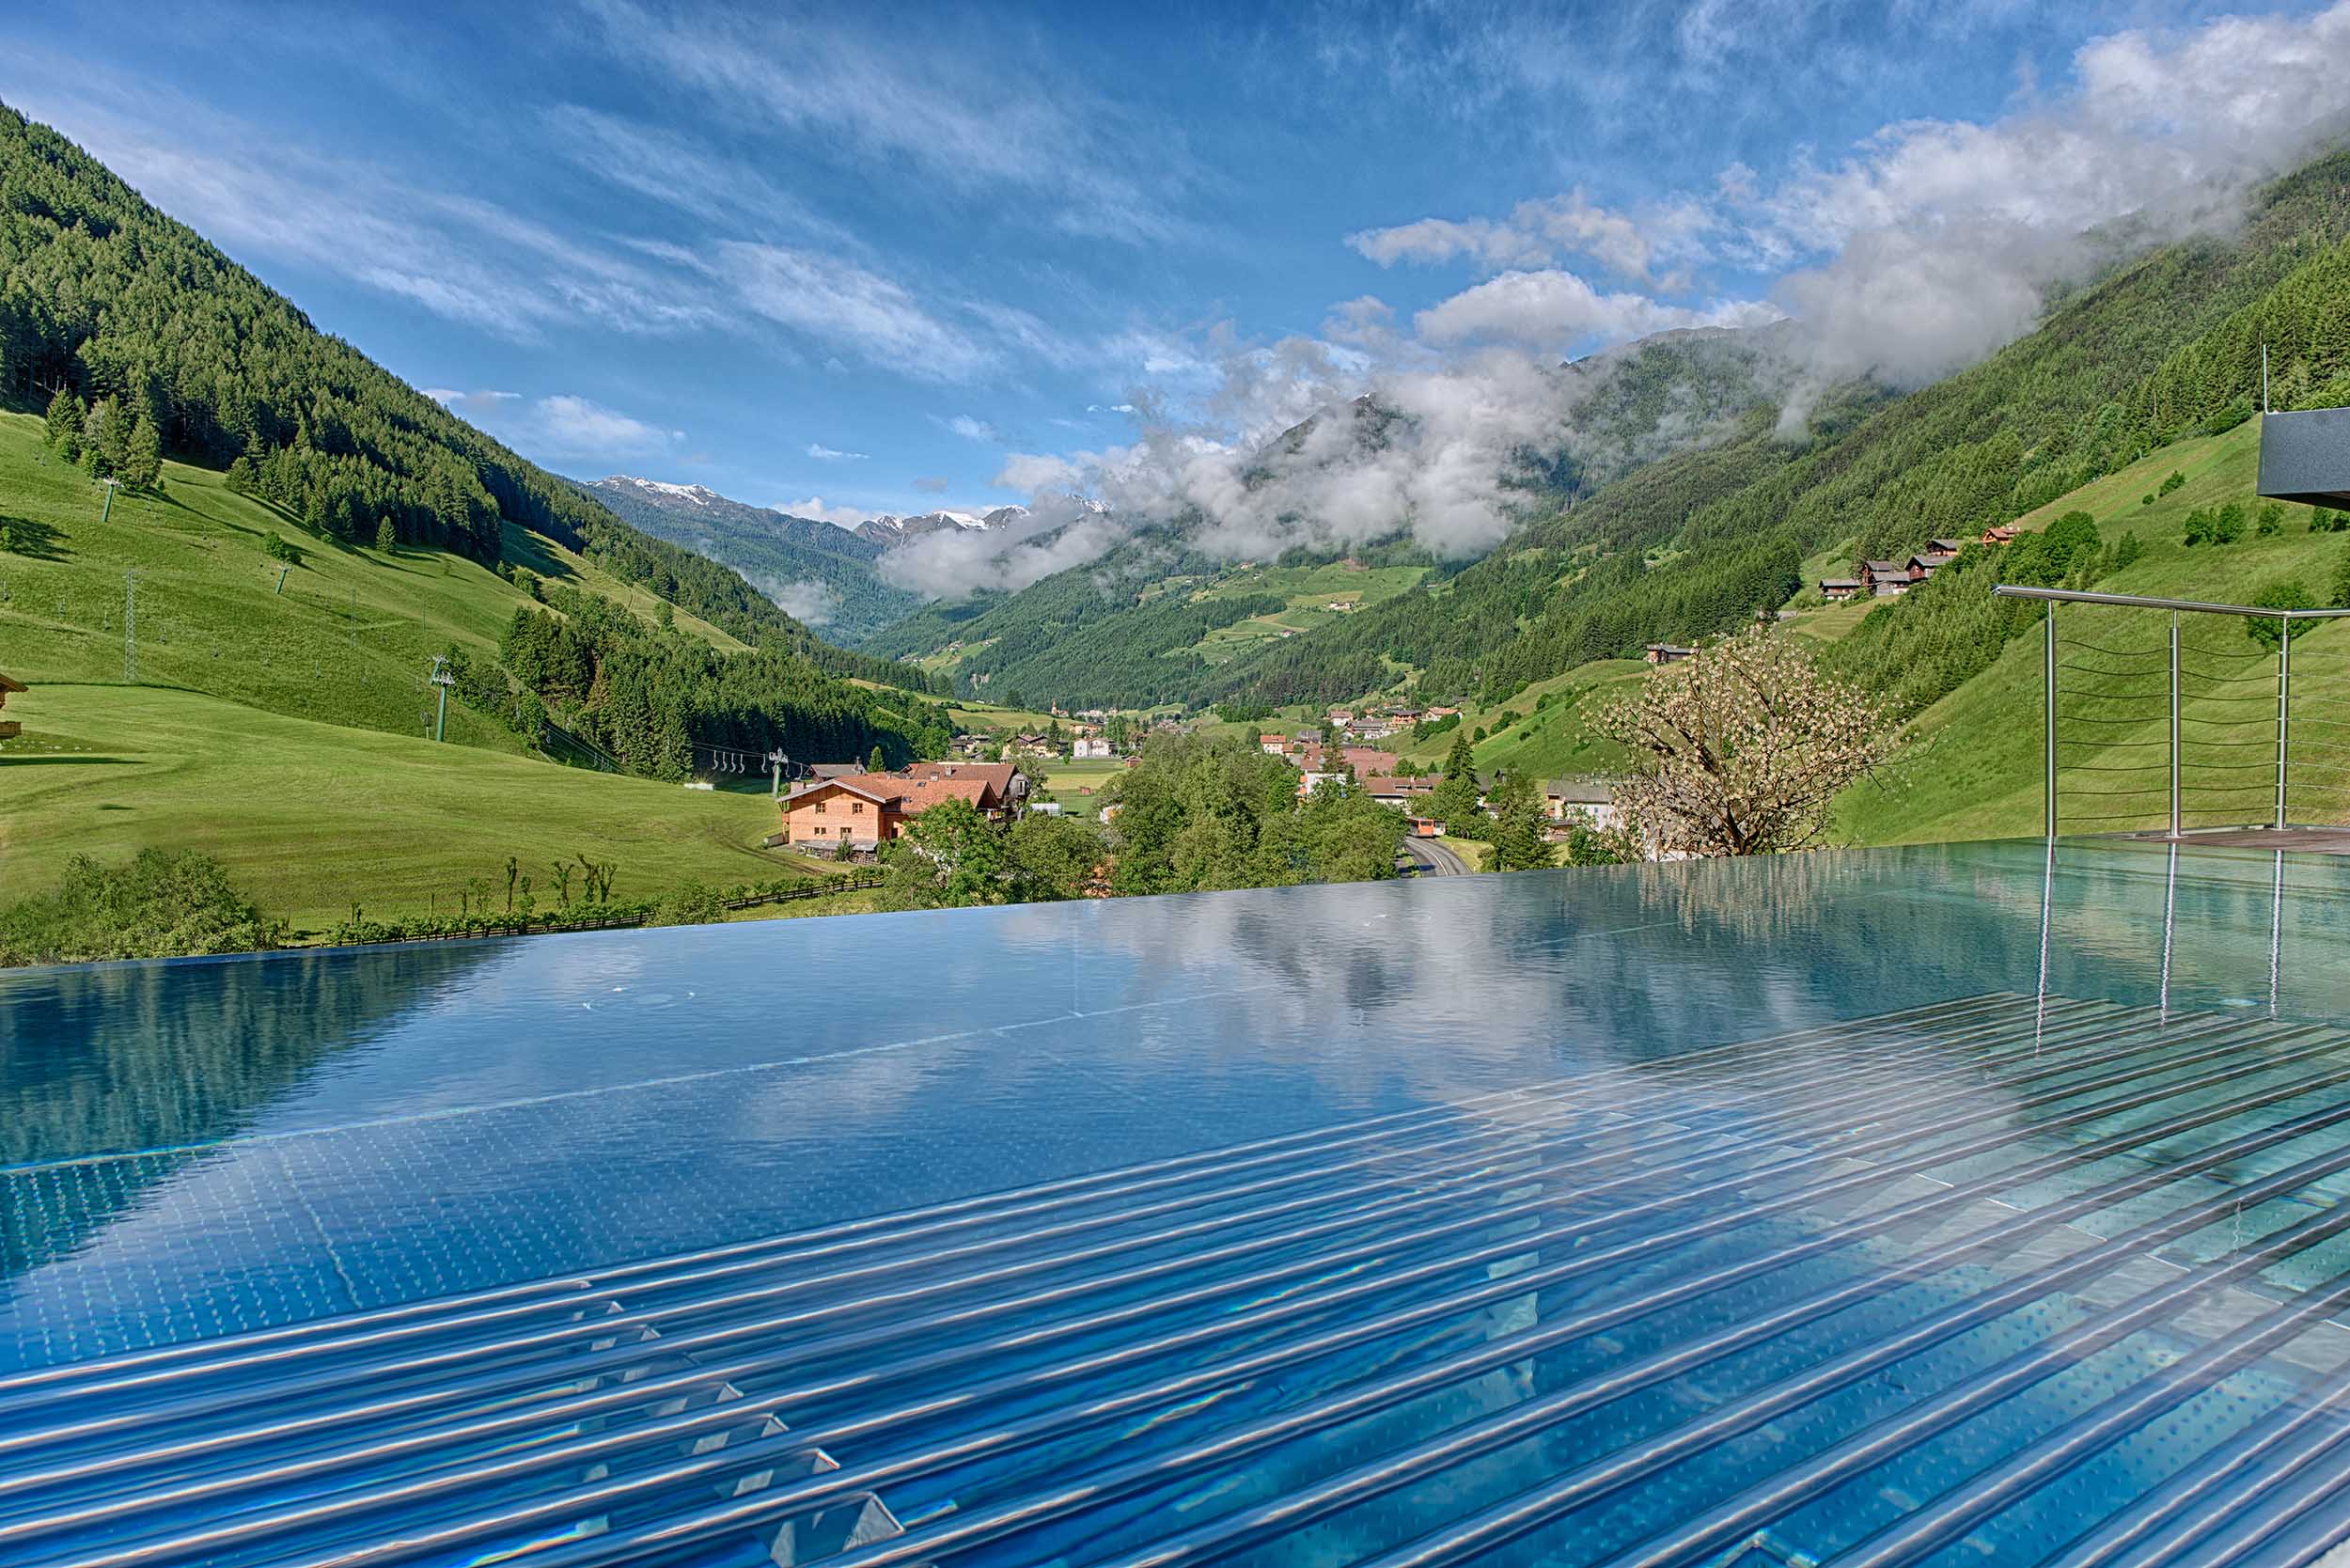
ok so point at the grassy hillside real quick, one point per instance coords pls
(1976, 767)
(347, 639)
(1973, 769)
(1544, 730)
(281, 730)
(1308, 595)
(311, 817)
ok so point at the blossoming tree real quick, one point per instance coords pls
(1743, 749)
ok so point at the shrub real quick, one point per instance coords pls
(2287, 595)
(691, 905)
(2271, 520)
(160, 903)
(2214, 525)
(277, 547)
(2176, 481)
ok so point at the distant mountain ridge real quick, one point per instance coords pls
(817, 571)
(887, 530)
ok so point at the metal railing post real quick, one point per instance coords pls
(2175, 724)
(2049, 739)
(2284, 702)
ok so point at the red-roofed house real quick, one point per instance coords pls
(870, 809)
(1396, 792)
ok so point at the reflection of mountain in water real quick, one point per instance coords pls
(122, 1057)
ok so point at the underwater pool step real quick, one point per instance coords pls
(1955, 1024)
(1211, 1357)
(1377, 1206)
(21, 1388)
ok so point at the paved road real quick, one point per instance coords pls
(1432, 857)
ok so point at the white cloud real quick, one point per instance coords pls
(562, 424)
(1031, 472)
(823, 453)
(1060, 531)
(817, 507)
(838, 303)
(807, 600)
(1541, 232)
(1558, 310)
(969, 428)
(968, 115)
(678, 172)
(1933, 241)
(484, 404)
(573, 425)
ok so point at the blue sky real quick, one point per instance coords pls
(897, 257)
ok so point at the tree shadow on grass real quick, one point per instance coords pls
(22, 536)
(66, 760)
(521, 547)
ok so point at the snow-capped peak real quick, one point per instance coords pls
(699, 495)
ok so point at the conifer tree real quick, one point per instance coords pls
(142, 455)
(65, 422)
(104, 439)
(1517, 834)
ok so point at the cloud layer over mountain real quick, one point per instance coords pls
(1925, 248)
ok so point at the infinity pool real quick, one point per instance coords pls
(1942, 1205)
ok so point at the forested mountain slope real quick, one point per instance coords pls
(135, 336)
(1696, 544)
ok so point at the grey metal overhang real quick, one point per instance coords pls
(2306, 456)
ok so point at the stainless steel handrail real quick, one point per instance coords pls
(2141, 602)
(2050, 663)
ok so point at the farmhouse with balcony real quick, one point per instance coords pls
(1594, 797)
(869, 808)
(1885, 579)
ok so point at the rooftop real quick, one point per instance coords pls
(2306, 456)
(1942, 1204)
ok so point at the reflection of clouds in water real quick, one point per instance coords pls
(1447, 992)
